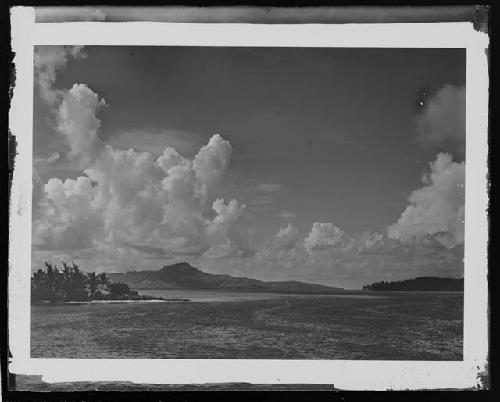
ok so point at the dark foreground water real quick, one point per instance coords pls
(397, 326)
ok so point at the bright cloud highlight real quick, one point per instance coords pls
(437, 209)
(77, 121)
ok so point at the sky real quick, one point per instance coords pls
(329, 165)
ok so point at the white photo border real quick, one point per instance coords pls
(342, 374)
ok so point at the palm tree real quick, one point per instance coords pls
(71, 284)
(103, 282)
(78, 283)
(92, 283)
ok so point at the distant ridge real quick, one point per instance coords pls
(184, 276)
(422, 283)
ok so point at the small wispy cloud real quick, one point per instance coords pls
(261, 200)
(155, 141)
(286, 214)
(268, 188)
(47, 159)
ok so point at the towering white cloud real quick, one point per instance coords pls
(437, 209)
(130, 198)
(77, 121)
(324, 236)
(441, 125)
(211, 162)
(126, 202)
(48, 60)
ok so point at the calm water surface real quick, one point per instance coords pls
(223, 296)
(220, 325)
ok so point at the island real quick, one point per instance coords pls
(184, 276)
(423, 283)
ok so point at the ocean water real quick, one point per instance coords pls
(396, 326)
(204, 296)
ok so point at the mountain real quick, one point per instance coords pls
(422, 283)
(185, 276)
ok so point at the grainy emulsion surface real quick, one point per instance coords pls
(397, 326)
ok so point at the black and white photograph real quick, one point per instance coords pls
(253, 203)
(249, 203)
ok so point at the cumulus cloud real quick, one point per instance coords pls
(328, 255)
(78, 123)
(211, 162)
(226, 216)
(441, 126)
(325, 236)
(48, 60)
(385, 259)
(368, 240)
(68, 216)
(286, 238)
(437, 209)
(124, 197)
(127, 203)
(128, 197)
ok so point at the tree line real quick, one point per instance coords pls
(70, 284)
(419, 284)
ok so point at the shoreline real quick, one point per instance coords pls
(345, 294)
(156, 300)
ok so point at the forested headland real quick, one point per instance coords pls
(424, 283)
(69, 283)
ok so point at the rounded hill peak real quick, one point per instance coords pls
(181, 268)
